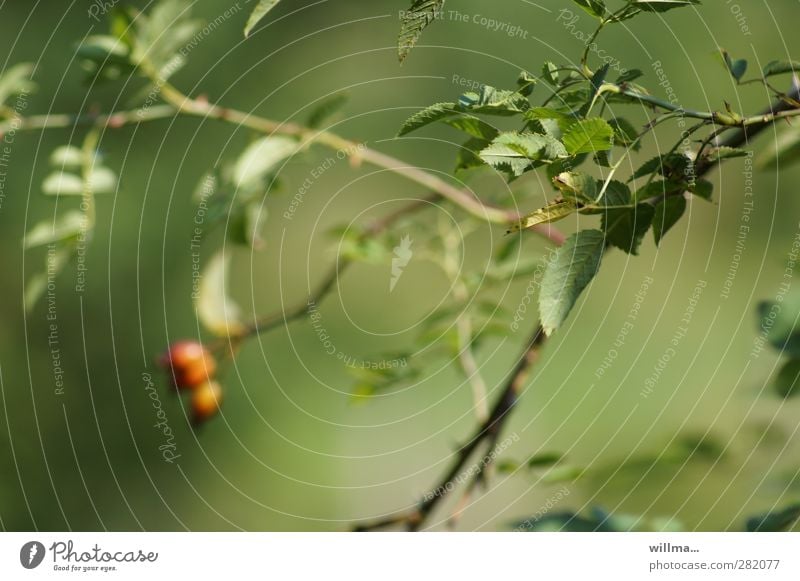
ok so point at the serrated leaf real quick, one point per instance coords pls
(589, 136)
(596, 8)
(517, 152)
(723, 152)
(572, 268)
(258, 13)
(491, 101)
(625, 133)
(326, 109)
(781, 67)
(576, 186)
(625, 228)
(776, 521)
(473, 126)
(218, 312)
(260, 158)
(65, 228)
(414, 21)
(427, 116)
(667, 214)
(550, 213)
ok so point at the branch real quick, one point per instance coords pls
(487, 432)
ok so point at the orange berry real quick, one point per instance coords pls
(190, 364)
(206, 399)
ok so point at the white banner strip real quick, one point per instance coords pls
(399, 556)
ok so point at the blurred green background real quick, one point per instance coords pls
(291, 450)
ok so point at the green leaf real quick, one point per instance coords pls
(469, 153)
(787, 383)
(702, 189)
(777, 521)
(737, 68)
(15, 81)
(218, 312)
(569, 272)
(427, 116)
(625, 133)
(779, 321)
(576, 186)
(784, 149)
(667, 215)
(491, 101)
(781, 67)
(517, 152)
(414, 21)
(259, 12)
(545, 459)
(326, 109)
(596, 8)
(550, 73)
(550, 213)
(626, 227)
(260, 158)
(473, 126)
(663, 5)
(65, 228)
(723, 152)
(589, 136)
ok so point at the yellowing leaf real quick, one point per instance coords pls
(216, 310)
(550, 213)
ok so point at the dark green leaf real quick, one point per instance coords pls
(787, 383)
(596, 8)
(427, 116)
(327, 108)
(625, 228)
(544, 459)
(663, 5)
(625, 133)
(667, 215)
(569, 272)
(414, 21)
(777, 521)
(781, 67)
(779, 321)
(702, 189)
